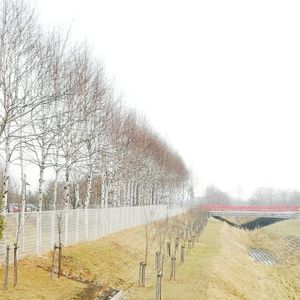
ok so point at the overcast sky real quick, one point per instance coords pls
(218, 79)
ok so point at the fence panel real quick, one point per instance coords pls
(37, 232)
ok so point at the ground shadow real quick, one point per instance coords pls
(254, 224)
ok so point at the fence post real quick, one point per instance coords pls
(116, 218)
(102, 221)
(108, 221)
(119, 218)
(125, 221)
(128, 216)
(116, 210)
(66, 227)
(37, 231)
(112, 219)
(86, 223)
(52, 228)
(96, 224)
(23, 231)
(77, 225)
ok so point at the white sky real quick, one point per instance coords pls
(219, 79)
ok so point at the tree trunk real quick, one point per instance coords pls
(55, 189)
(133, 193)
(67, 189)
(126, 193)
(152, 195)
(88, 191)
(101, 193)
(106, 193)
(77, 195)
(6, 175)
(40, 188)
(137, 194)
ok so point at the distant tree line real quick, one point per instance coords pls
(261, 196)
(59, 113)
(213, 195)
(271, 196)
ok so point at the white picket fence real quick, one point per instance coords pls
(37, 232)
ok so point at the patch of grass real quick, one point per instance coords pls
(192, 278)
(286, 274)
(283, 229)
(288, 271)
(35, 283)
(111, 261)
(236, 276)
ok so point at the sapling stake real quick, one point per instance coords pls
(173, 266)
(6, 267)
(189, 246)
(158, 285)
(182, 254)
(169, 248)
(59, 259)
(158, 260)
(15, 264)
(53, 259)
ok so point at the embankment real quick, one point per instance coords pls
(219, 267)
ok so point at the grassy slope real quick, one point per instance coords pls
(283, 229)
(273, 238)
(236, 276)
(113, 261)
(218, 268)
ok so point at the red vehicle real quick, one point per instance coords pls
(14, 207)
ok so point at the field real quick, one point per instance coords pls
(219, 267)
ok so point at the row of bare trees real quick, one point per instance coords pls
(173, 238)
(60, 115)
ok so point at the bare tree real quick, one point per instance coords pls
(19, 71)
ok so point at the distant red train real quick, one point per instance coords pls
(267, 208)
